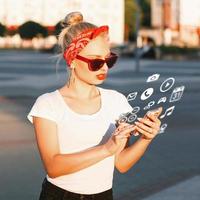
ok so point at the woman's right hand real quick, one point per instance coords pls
(119, 136)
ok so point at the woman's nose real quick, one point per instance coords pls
(105, 67)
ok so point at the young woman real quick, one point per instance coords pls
(78, 141)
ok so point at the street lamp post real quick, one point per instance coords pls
(137, 27)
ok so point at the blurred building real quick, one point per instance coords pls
(176, 22)
(49, 12)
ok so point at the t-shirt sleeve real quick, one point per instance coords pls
(123, 103)
(42, 108)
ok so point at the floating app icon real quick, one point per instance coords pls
(167, 84)
(132, 96)
(127, 118)
(162, 100)
(162, 128)
(136, 109)
(122, 120)
(147, 93)
(168, 112)
(177, 94)
(153, 77)
(151, 103)
(132, 118)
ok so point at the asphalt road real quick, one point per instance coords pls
(171, 158)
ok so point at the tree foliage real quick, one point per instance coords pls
(146, 13)
(130, 15)
(2, 30)
(31, 29)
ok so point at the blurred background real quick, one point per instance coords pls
(150, 36)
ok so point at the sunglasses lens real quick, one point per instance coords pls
(111, 61)
(96, 64)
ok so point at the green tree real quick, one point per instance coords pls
(130, 17)
(2, 30)
(31, 29)
(146, 13)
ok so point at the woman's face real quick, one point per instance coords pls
(99, 47)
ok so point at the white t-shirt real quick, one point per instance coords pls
(78, 132)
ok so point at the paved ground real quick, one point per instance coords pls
(188, 189)
(171, 166)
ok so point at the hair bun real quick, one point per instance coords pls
(72, 19)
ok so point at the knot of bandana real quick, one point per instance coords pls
(80, 41)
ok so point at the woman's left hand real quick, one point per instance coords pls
(148, 126)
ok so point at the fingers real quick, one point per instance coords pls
(153, 118)
(146, 121)
(145, 133)
(149, 123)
(128, 130)
(125, 130)
(121, 136)
(149, 126)
(135, 132)
(122, 125)
(144, 127)
(117, 123)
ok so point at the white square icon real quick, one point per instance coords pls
(177, 94)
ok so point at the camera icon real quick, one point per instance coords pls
(153, 77)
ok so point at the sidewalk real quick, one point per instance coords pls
(186, 190)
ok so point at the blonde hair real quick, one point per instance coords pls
(72, 25)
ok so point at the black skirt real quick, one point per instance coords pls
(52, 192)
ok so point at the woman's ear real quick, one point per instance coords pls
(73, 65)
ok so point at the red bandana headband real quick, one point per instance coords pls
(81, 41)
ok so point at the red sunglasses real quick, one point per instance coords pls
(97, 63)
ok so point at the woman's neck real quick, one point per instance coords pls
(81, 90)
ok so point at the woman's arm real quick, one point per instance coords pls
(131, 154)
(57, 164)
(149, 127)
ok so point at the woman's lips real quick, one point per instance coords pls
(101, 76)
